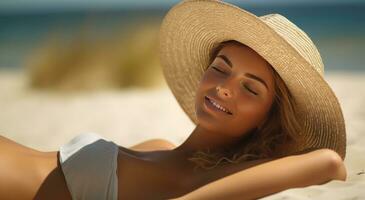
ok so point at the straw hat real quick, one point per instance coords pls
(192, 28)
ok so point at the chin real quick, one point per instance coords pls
(209, 123)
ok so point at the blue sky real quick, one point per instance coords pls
(34, 5)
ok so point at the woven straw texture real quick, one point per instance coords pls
(192, 28)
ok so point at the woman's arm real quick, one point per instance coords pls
(313, 168)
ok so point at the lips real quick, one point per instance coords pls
(219, 106)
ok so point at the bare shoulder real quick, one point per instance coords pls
(154, 144)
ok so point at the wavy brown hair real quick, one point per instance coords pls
(272, 140)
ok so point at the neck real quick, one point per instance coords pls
(203, 139)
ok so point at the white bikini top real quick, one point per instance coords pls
(89, 163)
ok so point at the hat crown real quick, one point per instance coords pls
(297, 38)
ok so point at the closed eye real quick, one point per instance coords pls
(217, 69)
(250, 90)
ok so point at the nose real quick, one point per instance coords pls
(223, 92)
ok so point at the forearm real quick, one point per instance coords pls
(312, 168)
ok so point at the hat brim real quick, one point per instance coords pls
(191, 29)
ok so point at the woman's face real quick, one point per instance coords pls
(240, 81)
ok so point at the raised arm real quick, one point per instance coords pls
(313, 168)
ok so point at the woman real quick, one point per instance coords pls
(266, 120)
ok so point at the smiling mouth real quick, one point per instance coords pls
(212, 104)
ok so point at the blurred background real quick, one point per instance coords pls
(73, 66)
(79, 44)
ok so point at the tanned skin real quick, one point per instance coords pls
(156, 169)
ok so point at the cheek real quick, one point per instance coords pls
(206, 82)
(251, 114)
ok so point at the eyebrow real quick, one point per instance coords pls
(246, 74)
(225, 59)
(257, 79)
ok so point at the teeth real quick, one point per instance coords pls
(218, 106)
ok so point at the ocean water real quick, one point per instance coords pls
(337, 30)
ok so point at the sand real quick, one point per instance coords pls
(46, 120)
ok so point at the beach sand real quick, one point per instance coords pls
(46, 120)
